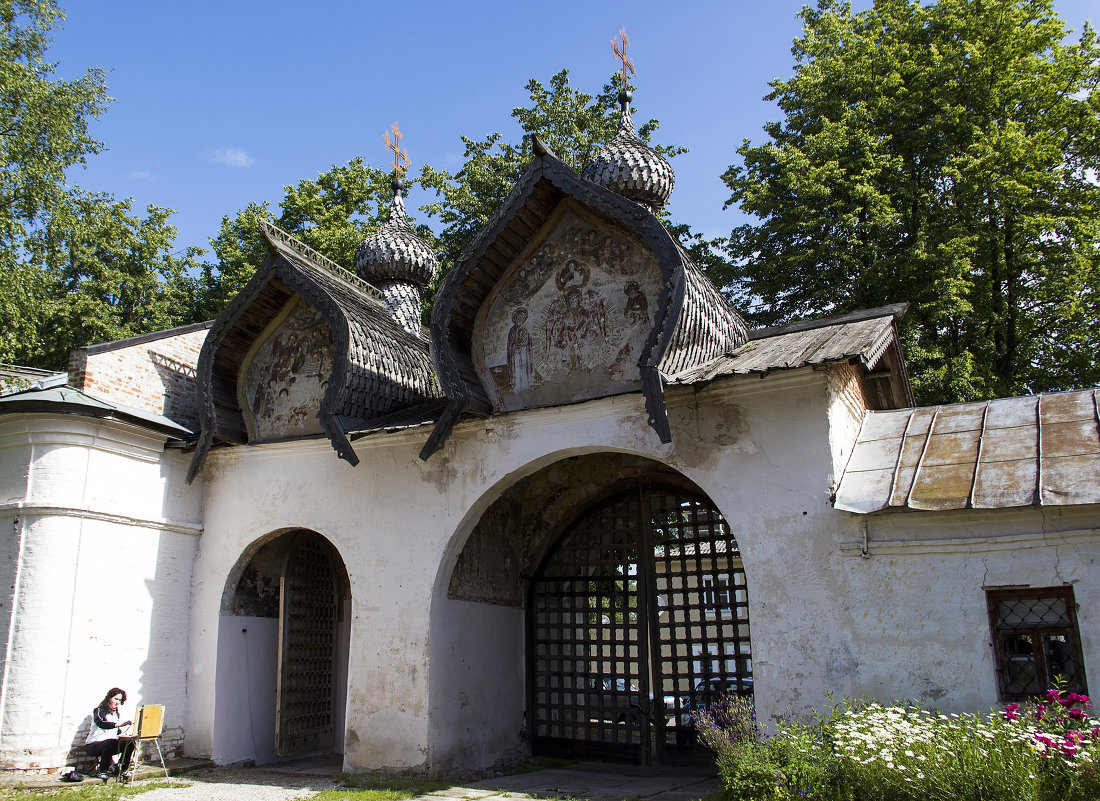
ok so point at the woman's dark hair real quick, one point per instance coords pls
(111, 693)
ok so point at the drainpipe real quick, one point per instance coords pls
(865, 551)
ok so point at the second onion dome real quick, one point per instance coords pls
(398, 262)
(629, 167)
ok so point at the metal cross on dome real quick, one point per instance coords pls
(399, 155)
(628, 64)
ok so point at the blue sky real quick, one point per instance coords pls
(222, 102)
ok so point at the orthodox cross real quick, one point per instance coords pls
(399, 155)
(628, 64)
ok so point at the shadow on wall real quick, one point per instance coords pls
(178, 380)
(163, 678)
(78, 757)
(135, 635)
(248, 656)
(246, 679)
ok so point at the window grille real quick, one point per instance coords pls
(1035, 641)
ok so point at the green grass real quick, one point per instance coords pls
(380, 787)
(88, 790)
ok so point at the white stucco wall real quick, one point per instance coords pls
(436, 683)
(918, 600)
(396, 520)
(100, 534)
(243, 711)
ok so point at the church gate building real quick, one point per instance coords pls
(585, 501)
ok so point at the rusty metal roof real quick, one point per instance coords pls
(1041, 449)
(862, 335)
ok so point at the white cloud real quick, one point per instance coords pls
(232, 157)
(143, 175)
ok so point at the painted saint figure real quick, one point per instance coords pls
(636, 309)
(576, 330)
(521, 369)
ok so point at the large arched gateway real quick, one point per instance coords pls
(637, 614)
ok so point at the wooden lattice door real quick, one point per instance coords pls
(308, 618)
(637, 616)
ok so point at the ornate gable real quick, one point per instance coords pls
(285, 373)
(306, 348)
(570, 292)
(570, 317)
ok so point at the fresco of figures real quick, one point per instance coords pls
(569, 320)
(287, 375)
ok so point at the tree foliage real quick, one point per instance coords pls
(943, 155)
(43, 132)
(574, 125)
(108, 274)
(343, 205)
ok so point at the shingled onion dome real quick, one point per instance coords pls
(629, 167)
(398, 262)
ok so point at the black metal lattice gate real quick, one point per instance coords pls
(637, 616)
(305, 718)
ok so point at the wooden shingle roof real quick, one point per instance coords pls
(692, 322)
(379, 367)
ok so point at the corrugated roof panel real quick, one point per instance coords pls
(956, 447)
(922, 421)
(1068, 406)
(964, 417)
(1069, 438)
(778, 349)
(1007, 412)
(911, 451)
(883, 425)
(879, 454)
(866, 491)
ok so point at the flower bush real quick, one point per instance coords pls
(1044, 750)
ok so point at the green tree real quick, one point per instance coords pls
(337, 210)
(43, 132)
(332, 214)
(107, 274)
(574, 125)
(941, 155)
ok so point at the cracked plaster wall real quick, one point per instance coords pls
(436, 664)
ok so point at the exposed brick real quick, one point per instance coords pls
(152, 373)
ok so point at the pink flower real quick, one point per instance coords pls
(1052, 695)
(1077, 714)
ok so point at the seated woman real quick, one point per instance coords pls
(103, 735)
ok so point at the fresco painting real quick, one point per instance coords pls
(569, 321)
(287, 377)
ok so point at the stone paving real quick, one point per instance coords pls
(593, 781)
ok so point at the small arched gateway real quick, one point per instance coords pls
(286, 621)
(637, 615)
